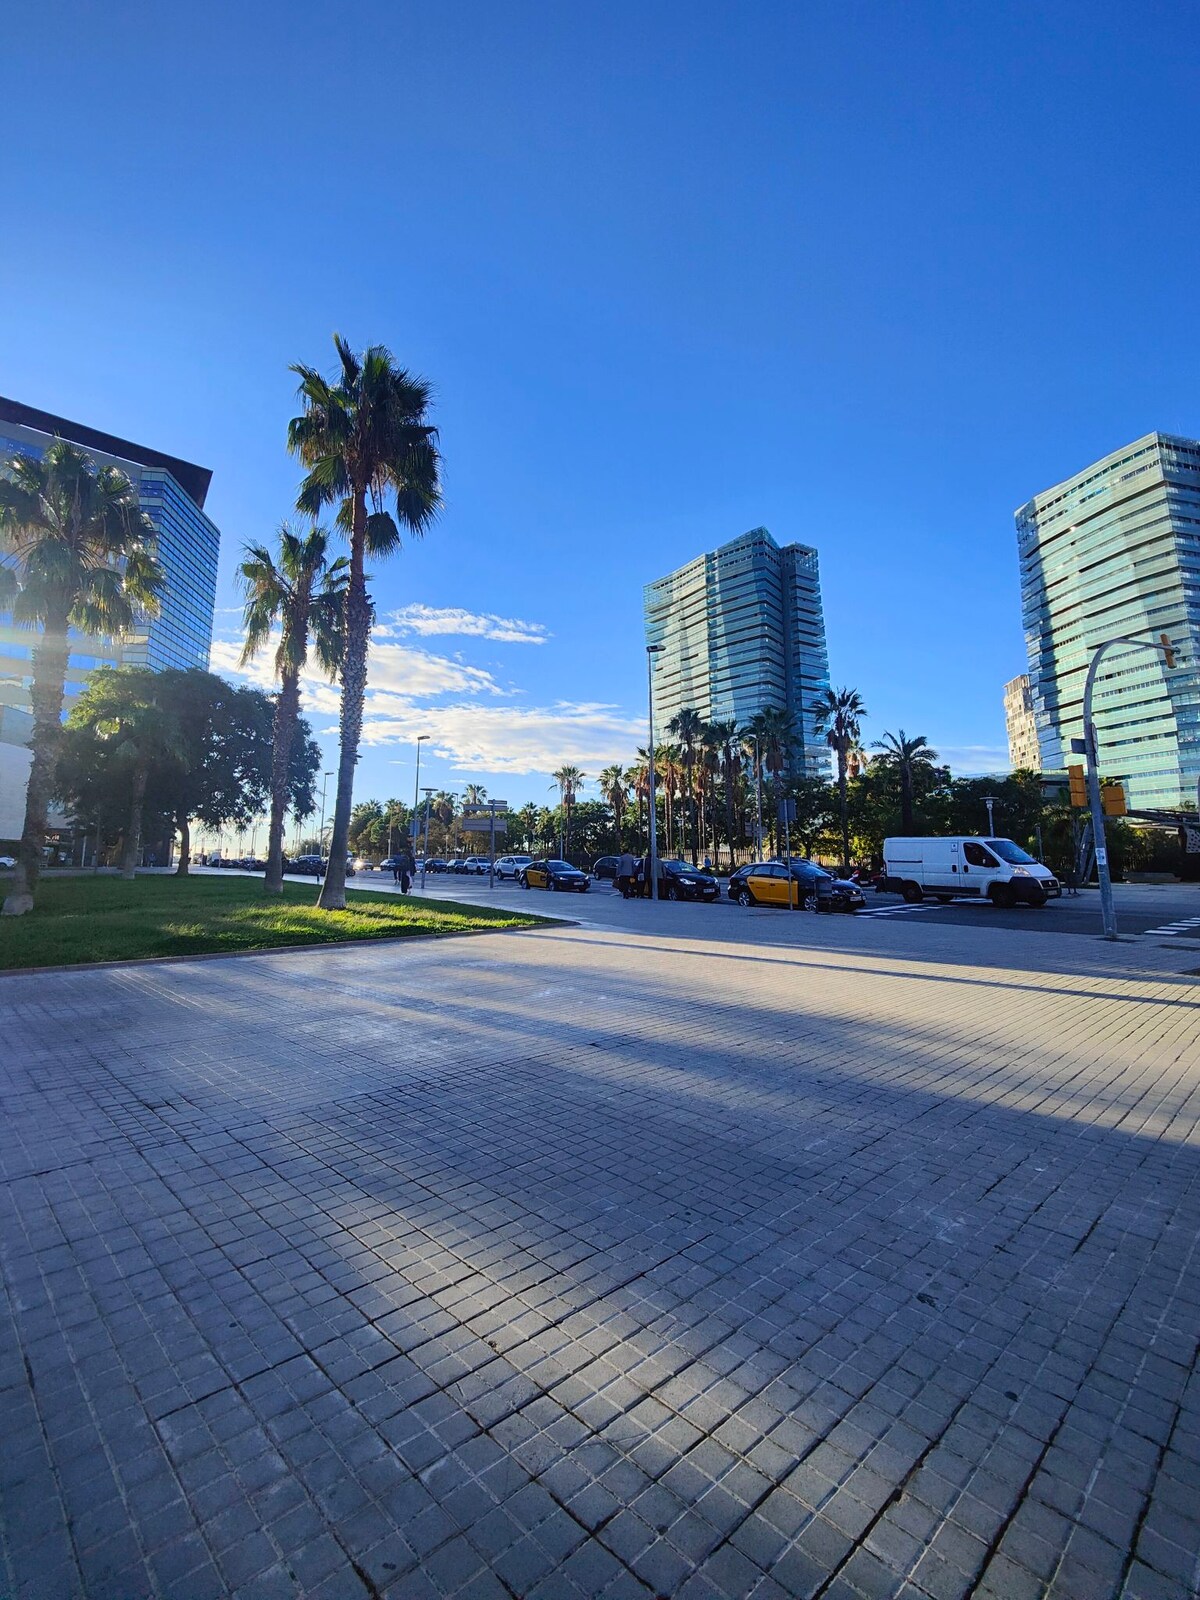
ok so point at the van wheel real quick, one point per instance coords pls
(913, 893)
(1002, 896)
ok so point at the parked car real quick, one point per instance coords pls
(476, 865)
(553, 875)
(979, 869)
(605, 867)
(510, 866)
(458, 866)
(678, 881)
(7, 861)
(768, 883)
(390, 863)
(314, 866)
(437, 864)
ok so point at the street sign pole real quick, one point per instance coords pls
(492, 846)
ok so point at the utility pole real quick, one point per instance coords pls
(758, 798)
(1095, 801)
(652, 650)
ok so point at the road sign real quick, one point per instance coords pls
(484, 824)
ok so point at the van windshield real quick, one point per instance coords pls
(1010, 852)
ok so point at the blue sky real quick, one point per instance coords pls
(868, 274)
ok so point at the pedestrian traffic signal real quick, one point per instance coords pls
(1168, 649)
(1112, 798)
(1078, 786)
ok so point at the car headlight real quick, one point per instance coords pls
(1020, 872)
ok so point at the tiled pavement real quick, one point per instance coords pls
(585, 1263)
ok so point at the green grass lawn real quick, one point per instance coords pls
(107, 919)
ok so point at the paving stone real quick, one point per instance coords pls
(802, 1263)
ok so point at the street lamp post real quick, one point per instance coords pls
(1095, 803)
(989, 801)
(421, 738)
(652, 650)
(325, 777)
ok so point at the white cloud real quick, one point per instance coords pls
(973, 760)
(510, 739)
(427, 620)
(391, 669)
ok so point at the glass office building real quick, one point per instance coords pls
(742, 629)
(1116, 550)
(172, 493)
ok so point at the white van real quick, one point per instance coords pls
(993, 869)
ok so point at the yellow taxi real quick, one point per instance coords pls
(768, 883)
(553, 875)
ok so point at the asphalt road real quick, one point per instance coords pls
(1170, 911)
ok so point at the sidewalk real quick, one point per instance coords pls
(596, 1262)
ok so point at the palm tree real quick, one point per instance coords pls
(365, 442)
(303, 593)
(83, 553)
(569, 781)
(778, 738)
(710, 771)
(640, 778)
(614, 786)
(474, 795)
(908, 756)
(838, 714)
(687, 726)
(728, 745)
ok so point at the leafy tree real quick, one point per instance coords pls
(907, 756)
(367, 823)
(213, 763)
(837, 715)
(82, 551)
(299, 590)
(816, 810)
(365, 441)
(523, 827)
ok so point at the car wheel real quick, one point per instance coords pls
(523, 881)
(913, 894)
(1002, 896)
(744, 897)
(1038, 901)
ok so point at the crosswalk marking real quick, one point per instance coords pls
(1174, 929)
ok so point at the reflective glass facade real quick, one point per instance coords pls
(742, 629)
(1116, 550)
(188, 547)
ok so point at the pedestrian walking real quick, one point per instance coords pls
(626, 874)
(407, 868)
(395, 869)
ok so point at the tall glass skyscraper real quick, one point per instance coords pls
(172, 493)
(1116, 550)
(742, 630)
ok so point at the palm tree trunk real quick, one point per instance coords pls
(354, 690)
(729, 812)
(133, 833)
(46, 698)
(691, 785)
(906, 797)
(185, 845)
(287, 710)
(844, 804)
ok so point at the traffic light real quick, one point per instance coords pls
(1168, 649)
(1112, 797)
(1078, 786)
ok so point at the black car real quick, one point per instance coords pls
(314, 866)
(678, 881)
(553, 875)
(605, 867)
(436, 864)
